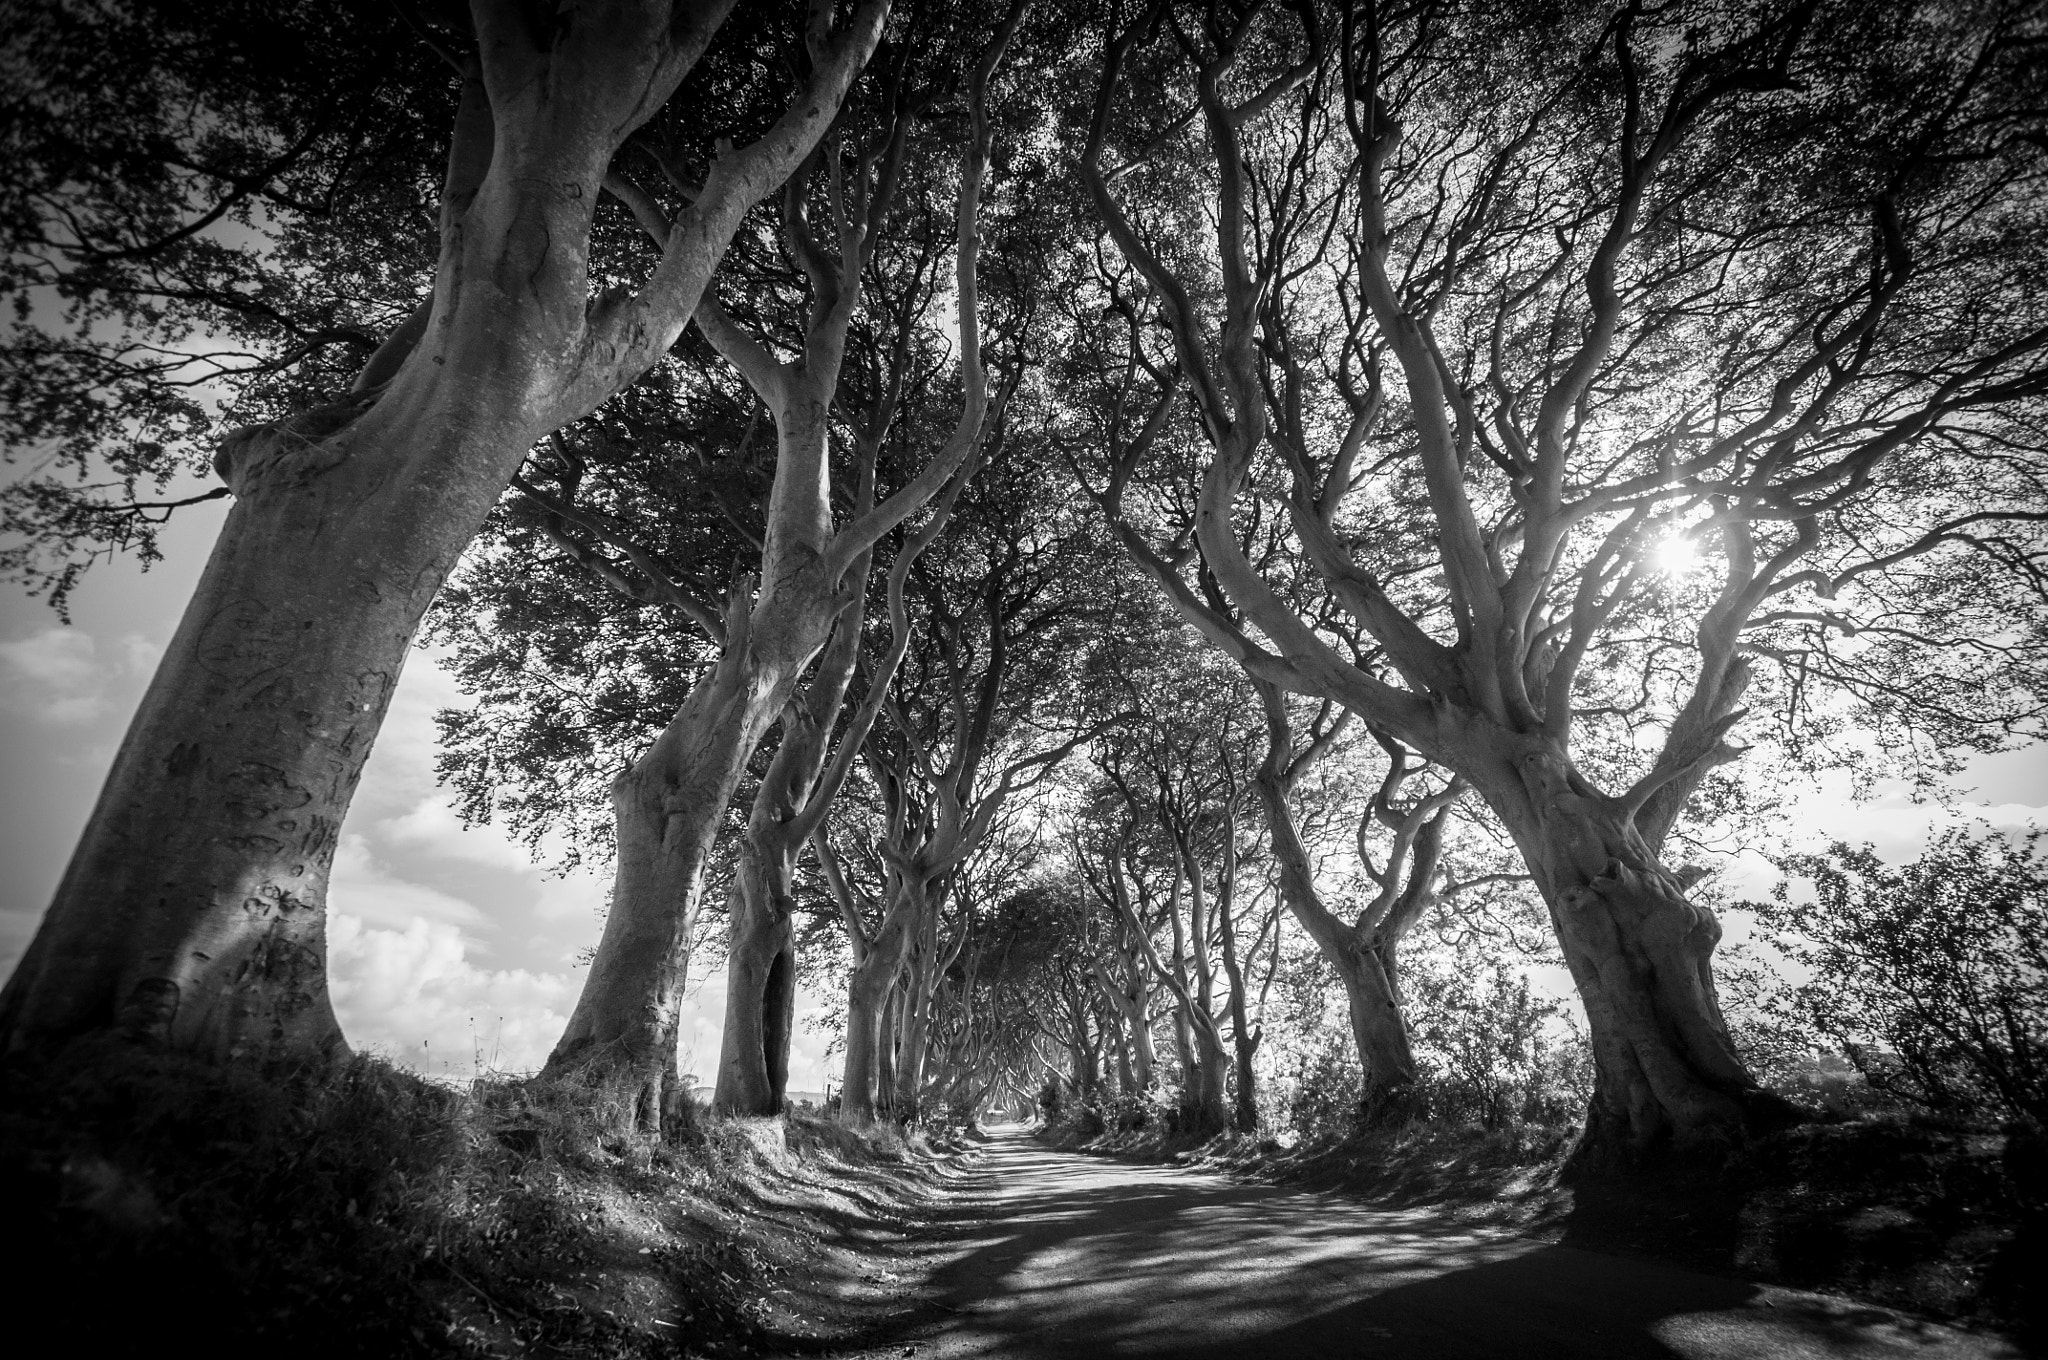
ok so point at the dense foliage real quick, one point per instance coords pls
(1932, 976)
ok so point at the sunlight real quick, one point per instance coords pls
(1676, 555)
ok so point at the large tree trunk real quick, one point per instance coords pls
(669, 804)
(193, 912)
(1126, 1073)
(865, 1002)
(1087, 1068)
(1184, 1055)
(1246, 1100)
(1667, 1077)
(885, 1053)
(869, 989)
(1385, 1052)
(1143, 1052)
(760, 999)
(913, 1027)
(1209, 1107)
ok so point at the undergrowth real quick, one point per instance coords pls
(364, 1211)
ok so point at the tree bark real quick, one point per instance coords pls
(193, 912)
(915, 1024)
(760, 999)
(1378, 1026)
(668, 805)
(1668, 1079)
(760, 994)
(869, 989)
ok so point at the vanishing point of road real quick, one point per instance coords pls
(1075, 1256)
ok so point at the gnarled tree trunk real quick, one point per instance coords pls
(760, 999)
(1385, 1054)
(914, 1027)
(1667, 1077)
(869, 990)
(622, 1036)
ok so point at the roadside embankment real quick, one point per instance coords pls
(365, 1211)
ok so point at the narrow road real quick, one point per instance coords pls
(1076, 1256)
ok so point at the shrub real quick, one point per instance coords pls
(1323, 1091)
(1932, 977)
(1489, 1050)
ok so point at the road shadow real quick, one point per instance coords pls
(1082, 1259)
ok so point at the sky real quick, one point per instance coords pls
(443, 941)
(450, 951)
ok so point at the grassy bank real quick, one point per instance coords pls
(364, 1211)
(1947, 1222)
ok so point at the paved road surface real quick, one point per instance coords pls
(1085, 1257)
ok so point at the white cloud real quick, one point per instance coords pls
(432, 824)
(65, 677)
(364, 888)
(1900, 831)
(54, 676)
(414, 994)
(578, 896)
(140, 654)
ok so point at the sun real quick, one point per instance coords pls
(1675, 555)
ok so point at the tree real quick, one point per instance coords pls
(985, 707)
(1932, 976)
(1170, 853)
(1512, 315)
(672, 799)
(1363, 951)
(193, 912)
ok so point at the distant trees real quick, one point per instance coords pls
(671, 801)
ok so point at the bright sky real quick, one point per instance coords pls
(444, 938)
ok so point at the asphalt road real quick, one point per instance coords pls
(1077, 1256)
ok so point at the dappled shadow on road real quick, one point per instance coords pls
(1075, 1257)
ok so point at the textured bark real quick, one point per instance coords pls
(1143, 1051)
(1668, 1079)
(753, 1063)
(1209, 1101)
(1130, 999)
(760, 1004)
(668, 807)
(1378, 1026)
(1126, 1071)
(1245, 1101)
(193, 911)
(885, 1054)
(914, 1026)
(869, 989)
